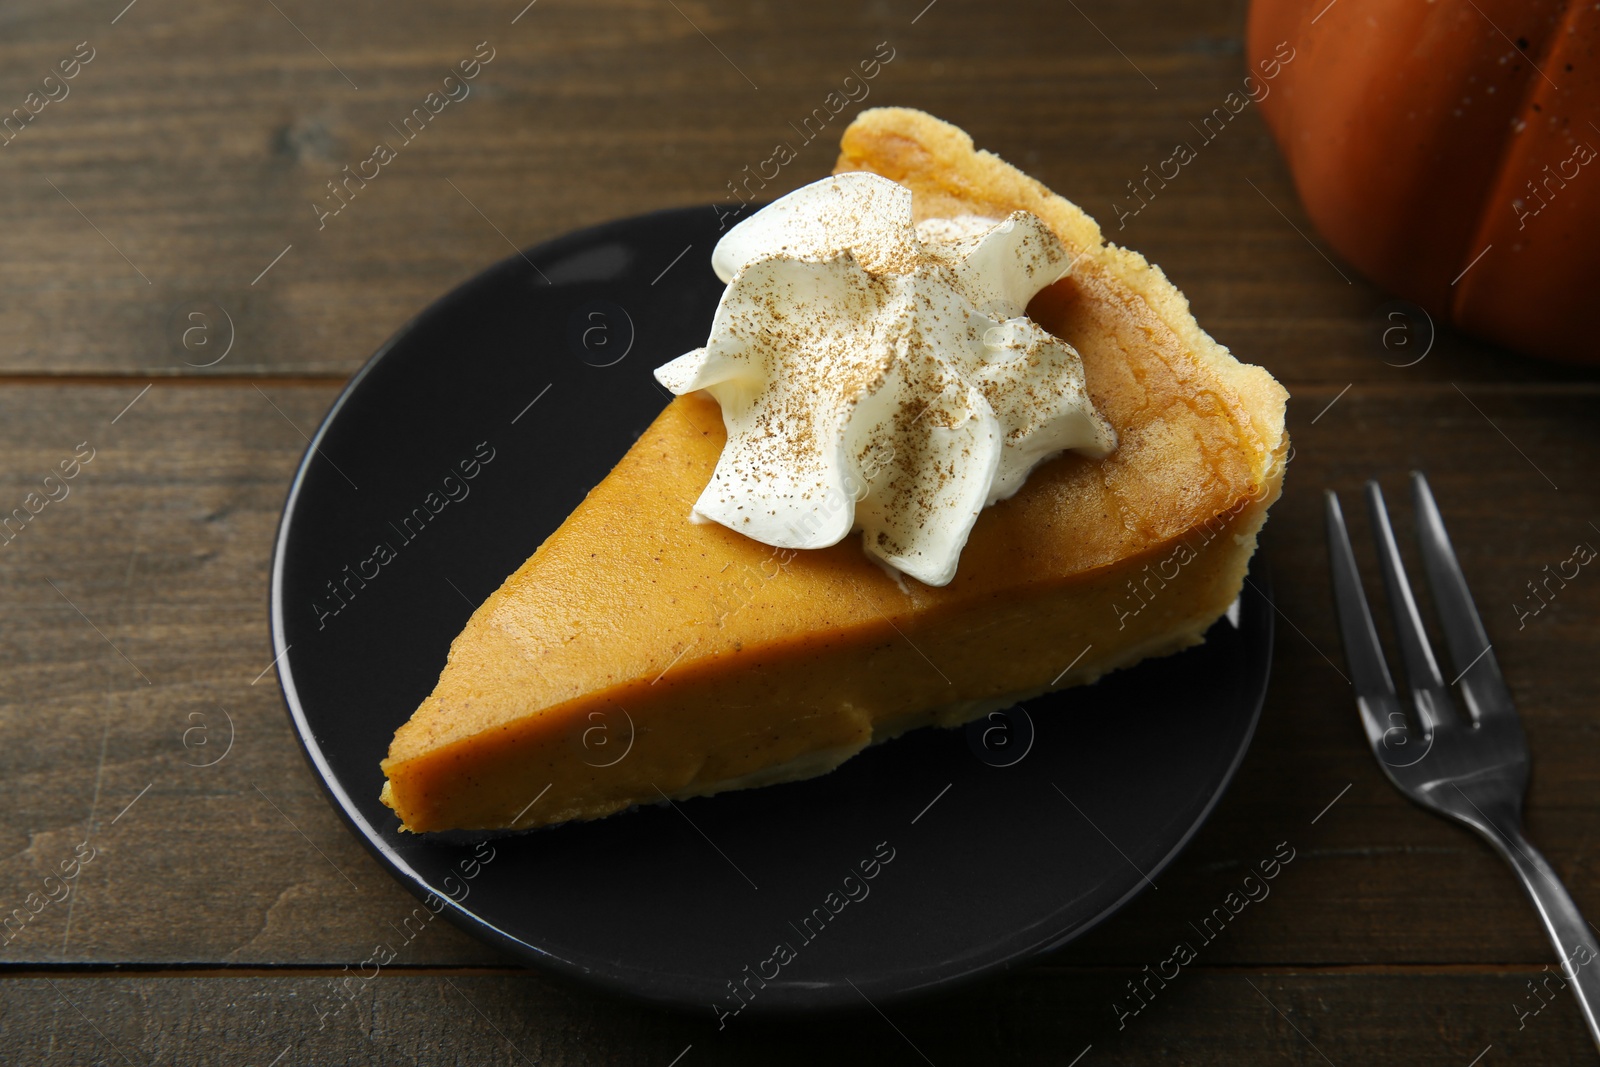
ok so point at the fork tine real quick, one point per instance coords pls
(1422, 670)
(1374, 687)
(1470, 651)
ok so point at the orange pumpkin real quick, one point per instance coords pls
(1448, 149)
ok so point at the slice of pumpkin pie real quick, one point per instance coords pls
(945, 449)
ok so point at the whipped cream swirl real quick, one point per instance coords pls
(879, 374)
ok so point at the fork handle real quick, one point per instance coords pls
(1572, 936)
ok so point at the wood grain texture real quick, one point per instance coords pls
(188, 155)
(1424, 1016)
(198, 142)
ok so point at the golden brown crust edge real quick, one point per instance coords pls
(904, 143)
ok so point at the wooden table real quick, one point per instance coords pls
(221, 903)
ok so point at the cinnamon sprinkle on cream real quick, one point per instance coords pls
(883, 376)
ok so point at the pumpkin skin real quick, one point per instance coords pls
(1419, 134)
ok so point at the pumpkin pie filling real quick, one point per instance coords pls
(637, 655)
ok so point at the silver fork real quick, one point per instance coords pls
(1473, 770)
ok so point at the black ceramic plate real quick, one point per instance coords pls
(987, 845)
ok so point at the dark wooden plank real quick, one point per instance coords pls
(198, 143)
(1204, 1017)
(163, 545)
